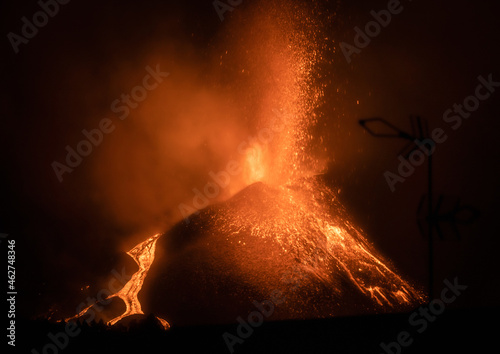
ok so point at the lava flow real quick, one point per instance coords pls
(143, 254)
(307, 221)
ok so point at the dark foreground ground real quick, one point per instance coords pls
(454, 331)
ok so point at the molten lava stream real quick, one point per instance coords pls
(143, 254)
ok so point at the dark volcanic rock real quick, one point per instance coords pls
(292, 245)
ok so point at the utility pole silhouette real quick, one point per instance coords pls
(433, 215)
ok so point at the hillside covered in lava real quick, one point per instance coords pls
(293, 245)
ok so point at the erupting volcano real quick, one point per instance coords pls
(285, 230)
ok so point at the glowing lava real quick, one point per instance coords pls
(308, 223)
(255, 164)
(143, 254)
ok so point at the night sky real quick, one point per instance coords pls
(73, 233)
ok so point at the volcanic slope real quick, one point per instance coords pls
(295, 240)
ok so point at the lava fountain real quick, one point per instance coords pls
(285, 230)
